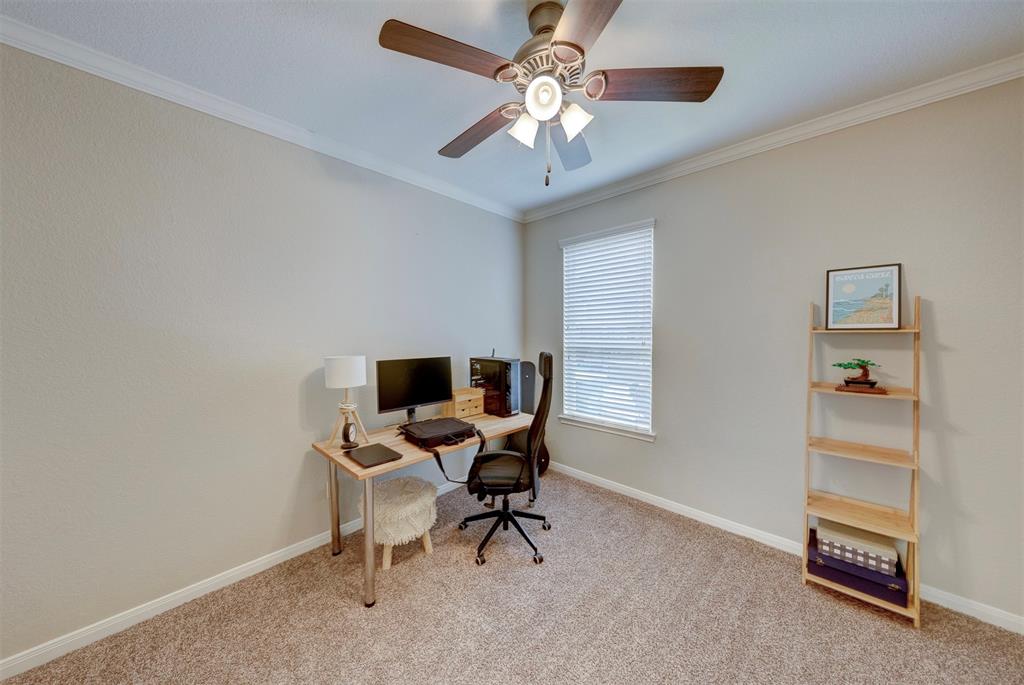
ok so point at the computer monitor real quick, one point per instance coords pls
(410, 383)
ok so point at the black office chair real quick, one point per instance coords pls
(500, 473)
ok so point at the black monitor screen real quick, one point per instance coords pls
(410, 383)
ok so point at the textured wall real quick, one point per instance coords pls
(170, 283)
(741, 249)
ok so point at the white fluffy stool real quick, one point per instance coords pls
(404, 509)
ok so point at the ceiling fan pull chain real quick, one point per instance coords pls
(547, 137)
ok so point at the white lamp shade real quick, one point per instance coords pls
(525, 130)
(543, 98)
(574, 119)
(345, 372)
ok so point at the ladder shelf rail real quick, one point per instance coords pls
(901, 524)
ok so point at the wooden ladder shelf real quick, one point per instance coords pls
(897, 523)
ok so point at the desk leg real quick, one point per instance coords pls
(332, 494)
(369, 554)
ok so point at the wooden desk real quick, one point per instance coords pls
(491, 426)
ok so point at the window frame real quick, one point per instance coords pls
(586, 422)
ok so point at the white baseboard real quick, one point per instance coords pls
(982, 612)
(40, 654)
(776, 541)
(59, 646)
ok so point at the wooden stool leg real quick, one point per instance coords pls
(428, 548)
(387, 557)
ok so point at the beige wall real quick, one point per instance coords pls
(739, 252)
(170, 283)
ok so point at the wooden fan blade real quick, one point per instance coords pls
(664, 84)
(583, 20)
(401, 37)
(573, 153)
(475, 134)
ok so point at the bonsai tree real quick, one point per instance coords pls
(862, 364)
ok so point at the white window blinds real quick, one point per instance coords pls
(607, 318)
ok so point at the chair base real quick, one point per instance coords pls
(503, 518)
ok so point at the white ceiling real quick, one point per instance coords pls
(317, 65)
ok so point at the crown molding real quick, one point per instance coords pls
(30, 39)
(947, 87)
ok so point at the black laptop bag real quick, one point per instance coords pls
(436, 432)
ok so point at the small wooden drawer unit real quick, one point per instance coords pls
(465, 402)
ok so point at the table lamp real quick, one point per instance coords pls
(346, 372)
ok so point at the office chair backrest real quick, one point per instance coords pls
(535, 438)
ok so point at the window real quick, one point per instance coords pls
(607, 318)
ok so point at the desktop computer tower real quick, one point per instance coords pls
(500, 379)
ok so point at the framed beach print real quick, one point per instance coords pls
(863, 298)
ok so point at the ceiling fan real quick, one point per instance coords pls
(546, 70)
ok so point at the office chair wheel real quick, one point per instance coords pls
(538, 558)
(545, 526)
(463, 526)
(480, 561)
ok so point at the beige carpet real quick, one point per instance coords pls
(627, 593)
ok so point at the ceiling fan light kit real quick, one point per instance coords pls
(574, 119)
(548, 66)
(543, 97)
(525, 130)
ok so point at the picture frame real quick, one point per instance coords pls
(863, 297)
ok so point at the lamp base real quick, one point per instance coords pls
(347, 412)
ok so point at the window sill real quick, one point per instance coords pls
(646, 436)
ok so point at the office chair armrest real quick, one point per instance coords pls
(491, 455)
(483, 443)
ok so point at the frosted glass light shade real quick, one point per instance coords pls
(574, 119)
(525, 130)
(543, 98)
(345, 372)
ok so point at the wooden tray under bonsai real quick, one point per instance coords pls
(864, 389)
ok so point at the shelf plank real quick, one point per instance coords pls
(909, 612)
(862, 452)
(895, 393)
(860, 514)
(819, 329)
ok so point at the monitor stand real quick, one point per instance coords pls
(410, 415)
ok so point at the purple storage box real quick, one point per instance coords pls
(891, 589)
